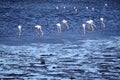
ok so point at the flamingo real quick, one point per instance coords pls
(102, 22)
(39, 29)
(93, 9)
(20, 29)
(65, 23)
(91, 24)
(86, 8)
(76, 10)
(74, 7)
(58, 27)
(57, 8)
(84, 30)
(106, 5)
(64, 7)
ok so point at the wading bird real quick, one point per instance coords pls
(74, 7)
(84, 30)
(106, 5)
(57, 8)
(39, 28)
(86, 8)
(76, 10)
(93, 9)
(102, 22)
(58, 27)
(19, 29)
(91, 25)
(64, 7)
(65, 23)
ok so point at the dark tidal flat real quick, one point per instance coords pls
(68, 55)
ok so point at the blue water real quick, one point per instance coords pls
(53, 56)
(30, 13)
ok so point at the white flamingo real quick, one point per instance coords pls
(102, 22)
(86, 8)
(57, 8)
(39, 29)
(65, 23)
(84, 30)
(93, 9)
(58, 27)
(20, 29)
(64, 7)
(76, 10)
(74, 7)
(106, 5)
(91, 25)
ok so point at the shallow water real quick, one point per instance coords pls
(91, 60)
(30, 13)
(69, 55)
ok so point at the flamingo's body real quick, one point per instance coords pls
(58, 27)
(64, 7)
(76, 10)
(106, 5)
(91, 25)
(57, 7)
(84, 30)
(102, 22)
(86, 8)
(93, 9)
(65, 23)
(74, 7)
(20, 29)
(39, 29)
